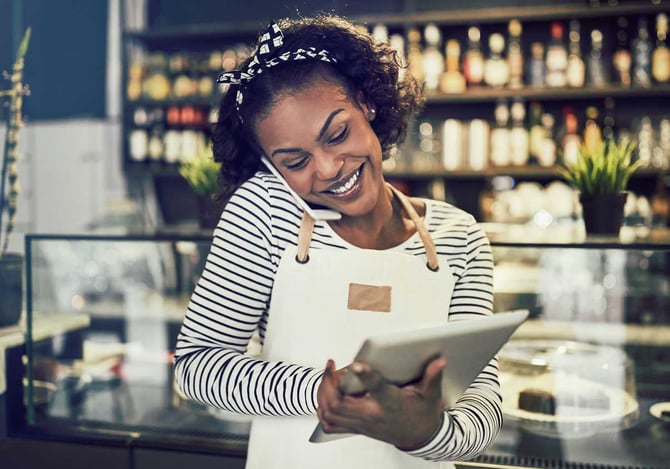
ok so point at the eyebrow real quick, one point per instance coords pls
(323, 130)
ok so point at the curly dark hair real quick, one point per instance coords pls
(363, 66)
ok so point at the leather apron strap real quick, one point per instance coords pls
(307, 226)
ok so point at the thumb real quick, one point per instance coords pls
(431, 383)
(370, 378)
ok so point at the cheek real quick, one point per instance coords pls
(300, 183)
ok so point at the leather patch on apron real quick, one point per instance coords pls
(369, 298)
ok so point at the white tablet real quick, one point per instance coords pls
(401, 357)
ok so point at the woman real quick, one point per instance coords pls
(324, 104)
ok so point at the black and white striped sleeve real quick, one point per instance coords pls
(472, 424)
(228, 304)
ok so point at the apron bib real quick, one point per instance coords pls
(324, 308)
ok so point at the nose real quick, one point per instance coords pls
(328, 167)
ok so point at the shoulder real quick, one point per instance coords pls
(453, 226)
(263, 193)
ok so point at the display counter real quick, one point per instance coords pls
(586, 379)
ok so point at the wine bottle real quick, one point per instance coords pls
(496, 69)
(515, 55)
(576, 69)
(622, 59)
(500, 136)
(556, 58)
(660, 59)
(433, 61)
(473, 60)
(642, 54)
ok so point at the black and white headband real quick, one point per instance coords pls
(268, 55)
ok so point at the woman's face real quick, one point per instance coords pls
(322, 143)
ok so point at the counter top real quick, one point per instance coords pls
(44, 326)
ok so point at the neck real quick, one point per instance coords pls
(386, 226)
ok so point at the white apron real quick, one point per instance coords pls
(314, 316)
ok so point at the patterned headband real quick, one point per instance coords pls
(268, 56)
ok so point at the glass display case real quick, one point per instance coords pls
(586, 380)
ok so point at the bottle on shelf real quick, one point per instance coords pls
(452, 80)
(660, 59)
(156, 144)
(135, 76)
(609, 119)
(206, 80)
(433, 61)
(180, 68)
(138, 138)
(535, 131)
(556, 60)
(414, 54)
(156, 85)
(496, 68)
(518, 137)
(500, 136)
(571, 141)
(515, 55)
(536, 65)
(477, 144)
(597, 71)
(473, 59)
(576, 69)
(642, 54)
(645, 141)
(380, 33)
(397, 42)
(622, 59)
(593, 136)
(452, 144)
(547, 154)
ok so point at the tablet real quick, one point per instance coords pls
(401, 357)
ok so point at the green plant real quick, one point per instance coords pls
(201, 173)
(606, 170)
(8, 201)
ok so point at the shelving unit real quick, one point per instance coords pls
(631, 102)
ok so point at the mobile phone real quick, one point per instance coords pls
(316, 213)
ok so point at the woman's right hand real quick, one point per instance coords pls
(404, 416)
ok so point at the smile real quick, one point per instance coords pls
(347, 185)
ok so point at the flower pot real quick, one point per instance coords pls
(11, 289)
(603, 213)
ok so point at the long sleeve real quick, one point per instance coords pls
(229, 303)
(472, 424)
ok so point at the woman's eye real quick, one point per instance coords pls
(338, 137)
(292, 166)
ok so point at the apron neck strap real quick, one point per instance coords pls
(428, 243)
(307, 226)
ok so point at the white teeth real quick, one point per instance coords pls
(347, 185)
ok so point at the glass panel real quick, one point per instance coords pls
(580, 377)
(105, 317)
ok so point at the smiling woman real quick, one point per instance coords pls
(322, 103)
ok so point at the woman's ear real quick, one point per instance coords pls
(368, 108)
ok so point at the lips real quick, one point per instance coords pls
(347, 185)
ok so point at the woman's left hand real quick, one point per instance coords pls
(403, 416)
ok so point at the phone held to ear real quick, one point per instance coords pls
(316, 213)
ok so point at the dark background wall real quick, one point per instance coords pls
(66, 60)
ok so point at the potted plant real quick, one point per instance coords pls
(11, 264)
(601, 177)
(202, 175)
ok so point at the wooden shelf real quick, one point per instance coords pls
(524, 172)
(459, 16)
(484, 94)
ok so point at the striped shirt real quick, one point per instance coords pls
(230, 302)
